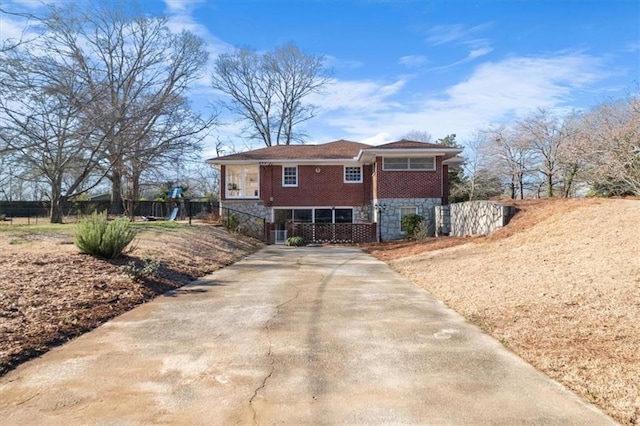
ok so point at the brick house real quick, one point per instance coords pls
(319, 190)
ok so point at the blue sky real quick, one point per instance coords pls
(436, 66)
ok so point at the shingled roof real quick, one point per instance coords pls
(336, 150)
(407, 144)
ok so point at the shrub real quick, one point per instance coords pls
(421, 231)
(230, 222)
(411, 224)
(138, 273)
(107, 239)
(294, 241)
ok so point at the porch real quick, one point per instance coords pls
(316, 233)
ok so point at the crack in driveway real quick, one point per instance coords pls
(269, 354)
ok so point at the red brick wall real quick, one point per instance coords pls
(326, 188)
(409, 184)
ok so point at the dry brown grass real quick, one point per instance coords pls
(560, 286)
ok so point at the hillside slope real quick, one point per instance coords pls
(561, 288)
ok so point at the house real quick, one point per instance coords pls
(338, 188)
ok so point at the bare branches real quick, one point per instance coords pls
(101, 93)
(267, 90)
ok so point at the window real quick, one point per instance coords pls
(409, 163)
(242, 181)
(290, 176)
(315, 215)
(324, 215)
(405, 211)
(353, 174)
(303, 215)
(343, 216)
(395, 163)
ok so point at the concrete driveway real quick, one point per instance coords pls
(289, 336)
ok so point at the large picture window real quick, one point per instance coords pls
(409, 163)
(290, 176)
(243, 181)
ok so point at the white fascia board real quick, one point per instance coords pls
(325, 162)
(367, 155)
(454, 161)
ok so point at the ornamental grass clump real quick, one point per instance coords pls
(102, 238)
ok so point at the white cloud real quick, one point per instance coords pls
(495, 92)
(342, 64)
(378, 139)
(412, 61)
(174, 6)
(358, 95)
(476, 53)
(441, 34)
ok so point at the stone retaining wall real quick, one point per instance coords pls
(472, 218)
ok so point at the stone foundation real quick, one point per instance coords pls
(388, 217)
(254, 208)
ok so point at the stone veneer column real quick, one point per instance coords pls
(362, 214)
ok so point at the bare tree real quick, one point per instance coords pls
(43, 123)
(612, 130)
(418, 135)
(268, 90)
(546, 136)
(512, 158)
(137, 74)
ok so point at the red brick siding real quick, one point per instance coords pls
(409, 184)
(326, 188)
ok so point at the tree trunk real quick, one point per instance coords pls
(117, 206)
(549, 185)
(569, 182)
(521, 185)
(56, 214)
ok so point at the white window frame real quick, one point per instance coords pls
(409, 169)
(243, 181)
(313, 212)
(290, 185)
(415, 211)
(344, 174)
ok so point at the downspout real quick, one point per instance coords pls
(445, 184)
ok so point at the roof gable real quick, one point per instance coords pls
(336, 150)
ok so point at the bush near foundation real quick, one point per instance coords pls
(294, 241)
(412, 225)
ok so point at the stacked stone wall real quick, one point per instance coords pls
(253, 208)
(388, 215)
(472, 218)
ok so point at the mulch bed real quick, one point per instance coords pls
(50, 294)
